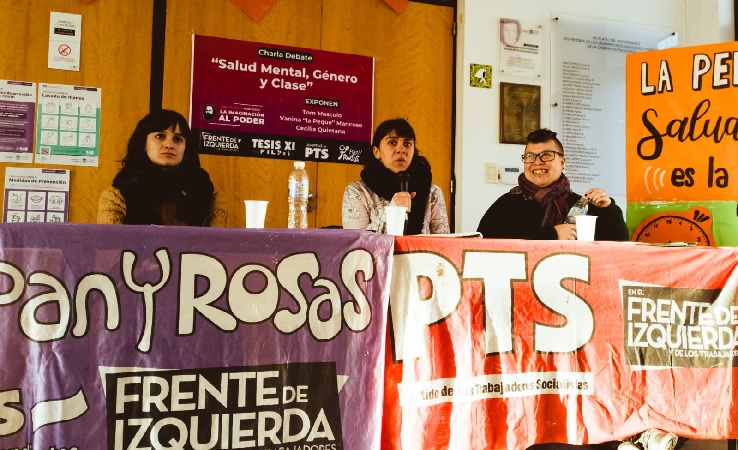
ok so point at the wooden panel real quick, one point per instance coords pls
(289, 22)
(413, 79)
(112, 59)
(414, 66)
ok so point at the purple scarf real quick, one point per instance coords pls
(552, 198)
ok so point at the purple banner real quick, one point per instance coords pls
(181, 337)
(273, 101)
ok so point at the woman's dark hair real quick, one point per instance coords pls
(144, 185)
(544, 135)
(136, 157)
(401, 127)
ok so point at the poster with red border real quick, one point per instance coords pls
(274, 101)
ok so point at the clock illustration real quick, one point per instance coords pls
(693, 226)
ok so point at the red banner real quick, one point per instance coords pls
(506, 343)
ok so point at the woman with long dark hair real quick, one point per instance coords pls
(161, 181)
(394, 158)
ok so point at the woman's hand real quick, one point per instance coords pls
(566, 231)
(403, 199)
(598, 197)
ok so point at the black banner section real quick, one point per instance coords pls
(679, 327)
(280, 147)
(280, 406)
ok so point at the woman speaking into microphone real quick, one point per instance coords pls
(395, 175)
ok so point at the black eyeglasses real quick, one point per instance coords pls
(546, 156)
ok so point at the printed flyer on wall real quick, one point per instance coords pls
(271, 101)
(68, 125)
(17, 113)
(520, 48)
(36, 195)
(65, 39)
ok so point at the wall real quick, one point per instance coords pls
(477, 130)
(111, 60)
(413, 54)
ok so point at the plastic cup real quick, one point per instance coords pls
(255, 213)
(586, 227)
(395, 219)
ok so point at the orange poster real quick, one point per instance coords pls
(682, 124)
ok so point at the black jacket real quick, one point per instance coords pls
(513, 216)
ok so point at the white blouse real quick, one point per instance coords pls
(364, 210)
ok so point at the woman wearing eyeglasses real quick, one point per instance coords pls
(537, 207)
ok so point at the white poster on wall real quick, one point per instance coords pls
(36, 195)
(588, 96)
(520, 48)
(65, 41)
(68, 125)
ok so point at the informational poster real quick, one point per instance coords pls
(65, 39)
(520, 48)
(681, 135)
(36, 195)
(17, 116)
(273, 101)
(68, 125)
(588, 91)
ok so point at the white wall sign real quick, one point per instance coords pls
(520, 48)
(588, 91)
(36, 195)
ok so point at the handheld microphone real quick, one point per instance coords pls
(404, 178)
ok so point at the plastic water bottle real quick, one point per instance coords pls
(580, 208)
(298, 196)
